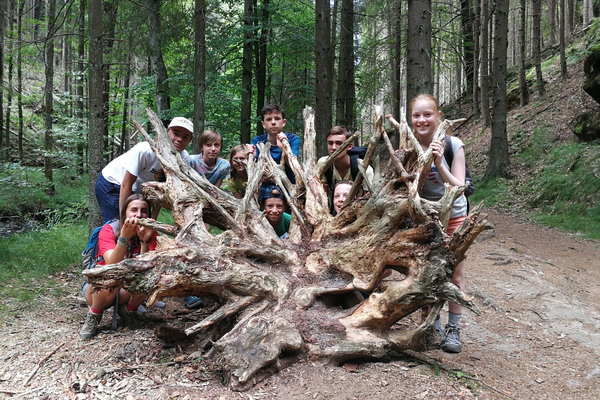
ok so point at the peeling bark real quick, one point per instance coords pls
(279, 297)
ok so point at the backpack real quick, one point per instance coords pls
(90, 254)
(449, 156)
(355, 153)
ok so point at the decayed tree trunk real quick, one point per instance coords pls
(278, 297)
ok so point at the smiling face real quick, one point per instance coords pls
(425, 117)
(180, 137)
(334, 142)
(238, 159)
(340, 195)
(138, 209)
(273, 209)
(273, 122)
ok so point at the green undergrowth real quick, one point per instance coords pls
(28, 261)
(560, 186)
(566, 190)
(25, 194)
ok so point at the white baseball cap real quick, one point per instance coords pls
(182, 123)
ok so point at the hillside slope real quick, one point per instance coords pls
(553, 175)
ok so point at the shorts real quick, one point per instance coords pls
(107, 194)
(454, 223)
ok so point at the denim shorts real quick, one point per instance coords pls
(107, 194)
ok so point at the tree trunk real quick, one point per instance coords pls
(109, 10)
(466, 20)
(80, 85)
(261, 67)
(523, 89)
(96, 118)
(246, 112)
(20, 77)
(588, 12)
(323, 73)
(9, 13)
(476, 54)
(537, 45)
(398, 106)
(38, 16)
(571, 17)
(552, 22)
(345, 82)
(199, 73)
(485, 76)
(161, 93)
(418, 50)
(280, 299)
(334, 19)
(498, 154)
(124, 145)
(48, 103)
(3, 4)
(563, 58)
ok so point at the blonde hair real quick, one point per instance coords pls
(234, 150)
(426, 97)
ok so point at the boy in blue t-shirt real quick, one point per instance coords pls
(208, 163)
(273, 120)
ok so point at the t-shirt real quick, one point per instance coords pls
(284, 225)
(140, 161)
(219, 171)
(276, 152)
(236, 185)
(434, 186)
(107, 241)
(336, 175)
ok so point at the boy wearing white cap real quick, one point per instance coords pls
(125, 174)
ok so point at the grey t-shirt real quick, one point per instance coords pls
(434, 186)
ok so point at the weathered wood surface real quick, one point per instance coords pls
(279, 296)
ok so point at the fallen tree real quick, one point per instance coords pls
(279, 298)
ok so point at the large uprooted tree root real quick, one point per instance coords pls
(275, 293)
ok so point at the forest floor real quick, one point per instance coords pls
(538, 337)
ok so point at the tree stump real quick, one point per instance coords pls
(278, 297)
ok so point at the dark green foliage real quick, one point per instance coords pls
(22, 190)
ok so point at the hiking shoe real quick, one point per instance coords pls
(437, 326)
(452, 343)
(128, 317)
(193, 302)
(90, 326)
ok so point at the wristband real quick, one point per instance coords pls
(148, 242)
(123, 242)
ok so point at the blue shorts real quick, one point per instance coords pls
(107, 194)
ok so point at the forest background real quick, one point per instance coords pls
(75, 74)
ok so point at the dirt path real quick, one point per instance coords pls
(538, 338)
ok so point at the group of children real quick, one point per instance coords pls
(118, 190)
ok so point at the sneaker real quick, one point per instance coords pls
(90, 326)
(452, 343)
(193, 302)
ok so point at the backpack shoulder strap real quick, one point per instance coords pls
(354, 166)
(329, 176)
(115, 226)
(448, 153)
